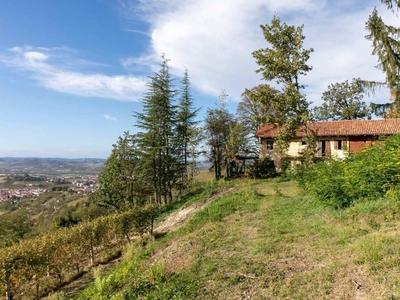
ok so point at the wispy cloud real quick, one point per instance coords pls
(215, 40)
(55, 69)
(110, 118)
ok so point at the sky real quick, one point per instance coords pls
(73, 73)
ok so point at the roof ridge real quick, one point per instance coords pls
(337, 128)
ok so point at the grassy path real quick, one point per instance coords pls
(264, 240)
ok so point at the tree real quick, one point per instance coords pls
(386, 45)
(255, 106)
(285, 61)
(218, 122)
(240, 145)
(154, 141)
(185, 134)
(343, 101)
(196, 137)
(14, 227)
(119, 184)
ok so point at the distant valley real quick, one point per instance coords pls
(51, 166)
(59, 166)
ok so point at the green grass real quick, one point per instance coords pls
(204, 176)
(264, 240)
(77, 201)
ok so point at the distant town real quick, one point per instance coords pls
(85, 184)
(53, 174)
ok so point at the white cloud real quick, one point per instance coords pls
(56, 74)
(35, 56)
(214, 40)
(110, 118)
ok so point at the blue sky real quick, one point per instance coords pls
(73, 72)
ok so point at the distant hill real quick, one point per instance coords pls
(51, 166)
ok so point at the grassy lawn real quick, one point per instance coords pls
(204, 176)
(264, 240)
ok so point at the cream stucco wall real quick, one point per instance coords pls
(296, 147)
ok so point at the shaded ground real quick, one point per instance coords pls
(73, 288)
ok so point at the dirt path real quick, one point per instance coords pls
(171, 223)
(178, 218)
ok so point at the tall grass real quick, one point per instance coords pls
(265, 240)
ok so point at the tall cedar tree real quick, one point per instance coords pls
(285, 61)
(155, 140)
(185, 134)
(386, 45)
(218, 122)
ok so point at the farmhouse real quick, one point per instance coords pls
(335, 138)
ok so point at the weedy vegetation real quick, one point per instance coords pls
(265, 239)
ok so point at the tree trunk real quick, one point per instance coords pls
(91, 251)
(7, 284)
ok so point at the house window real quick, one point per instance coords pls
(270, 145)
(339, 145)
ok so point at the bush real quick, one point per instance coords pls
(264, 168)
(325, 181)
(369, 174)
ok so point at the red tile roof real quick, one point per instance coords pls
(340, 128)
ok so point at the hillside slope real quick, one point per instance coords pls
(262, 240)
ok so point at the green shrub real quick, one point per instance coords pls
(264, 168)
(368, 175)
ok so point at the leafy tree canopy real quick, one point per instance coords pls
(256, 107)
(217, 124)
(343, 101)
(285, 61)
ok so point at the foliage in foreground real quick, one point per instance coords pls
(369, 174)
(265, 241)
(134, 280)
(38, 265)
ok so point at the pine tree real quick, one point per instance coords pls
(386, 45)
(185, 134)
(156, 123)
(119, 185)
